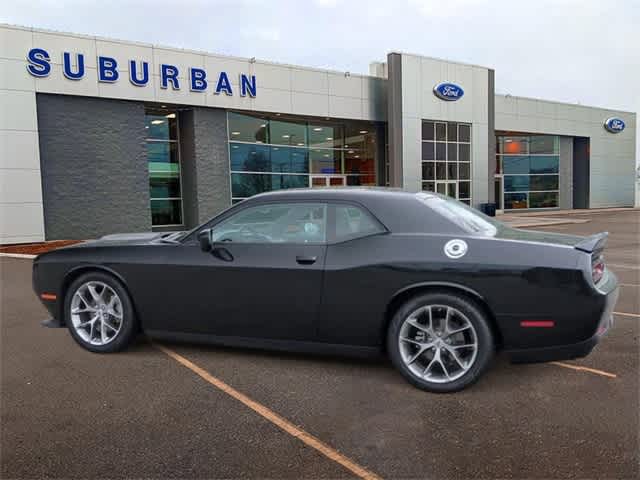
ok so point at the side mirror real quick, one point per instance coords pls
(204, 237)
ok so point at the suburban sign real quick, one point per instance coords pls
(614, 124)
(448, 91)
(108, 71)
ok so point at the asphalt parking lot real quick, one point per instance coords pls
(68, 413)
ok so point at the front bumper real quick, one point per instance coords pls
(573, 350)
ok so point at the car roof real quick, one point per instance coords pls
(398, 210)
(337, 193)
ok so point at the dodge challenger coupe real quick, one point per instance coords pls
(435, 284)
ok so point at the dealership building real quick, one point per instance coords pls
(100, 136)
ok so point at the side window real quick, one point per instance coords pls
(275, 223)
(353, 222)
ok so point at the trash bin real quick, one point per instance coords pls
(488, 209)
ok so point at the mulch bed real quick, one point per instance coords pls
(37, 248)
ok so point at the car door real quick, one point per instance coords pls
(262, 279)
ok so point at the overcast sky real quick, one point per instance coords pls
(583, 51)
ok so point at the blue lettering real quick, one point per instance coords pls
(107, 69)
(198, 82)
(169, 73)
(223, 84)
(39, 65)
(67, 66)
(133, 73)
(247, 84)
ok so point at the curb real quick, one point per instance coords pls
(17, 255)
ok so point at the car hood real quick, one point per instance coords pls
(509, 233)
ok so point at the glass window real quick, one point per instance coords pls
(427, 131)
(464, 133)
(245, 128)
(516, 183)
(544, 144)
(250, 158)
(163, 161)
(288, 133)
(325, 161)
(353, 222)
(166, 212)
(276, 223)
(515, 200)
(452, 152)
(544, 164)
(515, 164)
(465, 217)
(465, 189)
(428, 151)
(543, 182)
(531, 165)
(452, 171)
(452, 132)
(248, 184)
(513, 145)
(428, 170)
(289, 159)
(276, 145)
(464, 171)
(325, 136)
(543, 200)
(464, 152)
(161, 126)
(451, 146)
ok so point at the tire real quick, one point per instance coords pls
(456, 366)
(81, 307)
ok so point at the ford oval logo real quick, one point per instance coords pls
(448, 91)
(614, 124)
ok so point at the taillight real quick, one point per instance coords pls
(597, 267)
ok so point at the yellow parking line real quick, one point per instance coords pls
(585, 369)
(627, 314)
(273, 417)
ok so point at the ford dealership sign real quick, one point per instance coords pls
(614, 124)
(110, 70)
(448, 91)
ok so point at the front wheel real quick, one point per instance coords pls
(440, 342)
(99, 313)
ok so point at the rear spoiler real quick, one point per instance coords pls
(592, 243)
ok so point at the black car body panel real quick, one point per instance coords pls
(266, 296)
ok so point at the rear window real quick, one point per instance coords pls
(467, 218)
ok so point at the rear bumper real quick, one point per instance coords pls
(572, 350)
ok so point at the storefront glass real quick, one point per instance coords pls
(163, 157)
(446, 159)
(272, 152)
(529, 166)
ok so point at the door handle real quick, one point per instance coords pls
(305, 260)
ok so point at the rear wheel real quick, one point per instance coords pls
(440, 342)
(99, 313)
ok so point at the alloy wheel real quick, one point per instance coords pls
(96, 313)
(438, 343)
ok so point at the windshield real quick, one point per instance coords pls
(469, 219)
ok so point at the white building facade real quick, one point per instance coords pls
(99, 135)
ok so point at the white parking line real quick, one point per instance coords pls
(627, 314)
(17, 255)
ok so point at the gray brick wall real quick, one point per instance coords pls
(211, 158)
(95, 178)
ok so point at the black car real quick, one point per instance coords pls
(434, 283)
